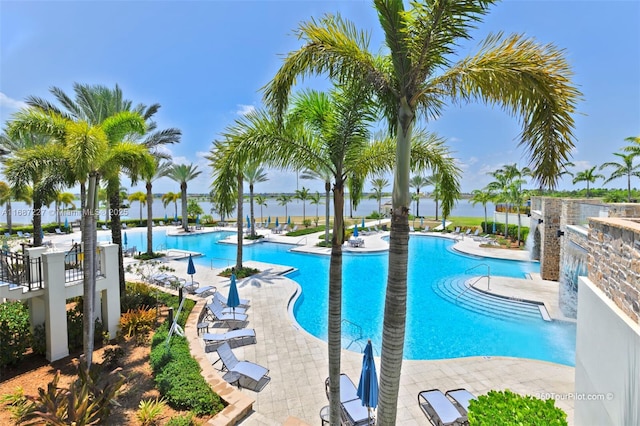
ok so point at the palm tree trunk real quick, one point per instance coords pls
(149, 219)
(113, 195)
(485, 219)
(418, 203)
(37, 221)
(395, 305)
(9, 219)
(57, 204)
(327, 190)
(335, 303)
(185, 219)
(239, 224)
(89, 266)
(628, 188)
(253, 220)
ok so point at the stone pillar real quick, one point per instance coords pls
(550, 243)
(55, 306)
(110, 285)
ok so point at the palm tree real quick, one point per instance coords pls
(332, 137)
(63, 199)
(141, 198)
(262, 202)
(171, 197)
(634, 148)
(588, 176)
(284, 200)
(182, 174)
(482, 196)
(253, 174)
(87, 148)
(622, 169)
(325, 176)
(527, 79)
(379, 184)
(302, 195)
(418, 182)
(160, 169)
(434, 180)
(6, 194)
(315, 199)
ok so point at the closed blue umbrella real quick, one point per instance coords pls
(41, 233)
(421, 222)
(444, 224)
(362, 223)
(175, 217)
(355, 230)
(66, 223)
(233, 299)
(166, 219)
(191, 269)
(368, 385)
(289, 220)
(198, 220)
(248, 223)
(277, 224)
(269, 220)
(126, 242)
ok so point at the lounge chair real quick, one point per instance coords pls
(467, 232)
(202, 291)
(476, 233)
(457, 230)
(20, 234)
(104, 227)
(353, 412)
(243, 373)
(161, 223)
(131, 251)
(426, 229)
(124, 225)
(230, 320)
(235, 338)
(58, 231)
(411, 229)
(460, 398)
(243, 302)
(439, 409)
(225, 309)
(222, 301)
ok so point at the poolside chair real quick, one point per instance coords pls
(224, 308)
(476, 233)
(161, 223)
(467, 232)
(20, 234)
(243, 373)
(215, 314)
(131, 251)
(202, 291)
(124, 225)
(439, 409)
(352, 411)
(457, 230)
(104, 228)
(411, 228)
(243, 302)
(58, 231)
(460, 398)
(426, 229)
(235, 338)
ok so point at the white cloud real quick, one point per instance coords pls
(11, 104)
(245, 109)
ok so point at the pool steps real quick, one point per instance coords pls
(457, 291)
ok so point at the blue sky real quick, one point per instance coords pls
(205, 62)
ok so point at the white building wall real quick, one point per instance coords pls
(607, 361)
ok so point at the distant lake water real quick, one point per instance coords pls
(22, 213)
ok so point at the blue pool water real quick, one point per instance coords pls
(436, 327)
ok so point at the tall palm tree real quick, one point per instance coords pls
(141, 198)
(625, 168)
(302, 195)
(253, 174)
(337, 139)
(171, 197)
(261, 200)
(418, 182)
(87, 148)
(325, 176)
(484, 197)
(63, 200)
(182, 174)
(434, 180)
(588, 176)
(6, 194)
(284, 200)
(417, 76)
(501, 187)
(379, 184)
(160, 169)
(315, 199)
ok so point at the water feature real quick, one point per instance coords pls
(573, 264)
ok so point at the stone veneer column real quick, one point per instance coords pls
(549, 241)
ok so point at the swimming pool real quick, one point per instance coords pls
(437, 328)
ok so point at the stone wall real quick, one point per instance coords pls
(550, 211)
(614, 261)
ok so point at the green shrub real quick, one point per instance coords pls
(74, 328)
(137, 295)
(39, 341)
(15, 335)
(505, 408)
(183, 420)
(178, 377)
(149, 411)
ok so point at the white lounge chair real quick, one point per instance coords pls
(230, 320)
(222, 301)
(243, 373)
(243, 302)
(58, 231)
(439, 409)
(460, 398)
(353, 412)
(235, 338)
(225, 309)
